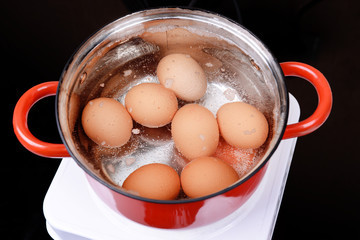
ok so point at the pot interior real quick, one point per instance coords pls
(126, 52)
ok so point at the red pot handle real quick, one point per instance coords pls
(22, 108)
(42, 90)
(323, 90)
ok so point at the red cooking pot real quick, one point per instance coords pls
(124, 54)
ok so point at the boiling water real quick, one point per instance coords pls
(231, 75)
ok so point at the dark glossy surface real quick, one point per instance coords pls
(322, 193)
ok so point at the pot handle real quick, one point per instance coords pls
(22, 132)
(322, 87)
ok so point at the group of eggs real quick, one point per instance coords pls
(194, 129)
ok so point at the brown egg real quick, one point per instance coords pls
(206, 175)
(195, 131)
(106, 122)
(242, 125)
(151, 104)
(183, 75)
(155, 181)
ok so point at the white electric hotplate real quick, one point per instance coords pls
(74, 212)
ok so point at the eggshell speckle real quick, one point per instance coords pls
(106, 122)
(155, 181)
(183, 75)
(151, 104)
(240, 159)
(195, 131)
(206, 175)
(242, 125)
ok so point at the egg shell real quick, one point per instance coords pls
(242, 125)
(195, 131)
(155, 181)
(151, 104)
(106, 122)
(206, 175)
(183, 75)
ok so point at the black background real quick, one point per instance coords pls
(322, 193)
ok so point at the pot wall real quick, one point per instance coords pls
(179, 214)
